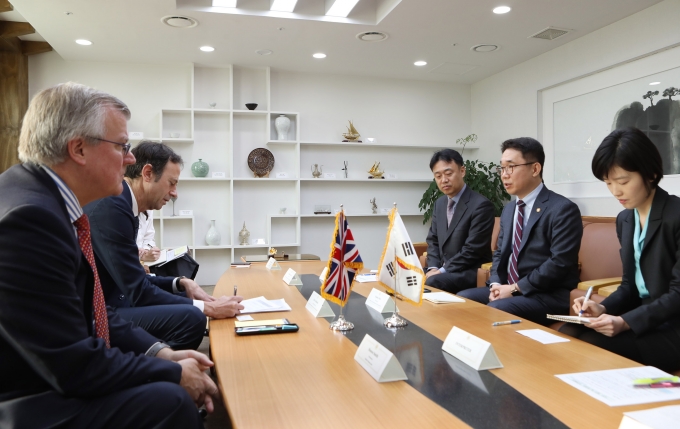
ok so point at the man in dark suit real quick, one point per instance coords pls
(536, 264)
(154, 303)
(66, 361)
(459, 240)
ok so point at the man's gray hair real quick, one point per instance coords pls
(62, 113)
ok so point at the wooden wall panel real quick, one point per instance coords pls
(13, 99)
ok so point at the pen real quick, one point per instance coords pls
(235, 289)
(507, 322)
(590, 291)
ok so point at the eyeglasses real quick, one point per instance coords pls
(126, 146)
(510, 168)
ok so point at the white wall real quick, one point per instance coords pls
(507, 104)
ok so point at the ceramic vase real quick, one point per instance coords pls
(213, 238)
(282, 124)
(200, 168)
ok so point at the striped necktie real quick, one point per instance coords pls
(513, 275)
(449, 211)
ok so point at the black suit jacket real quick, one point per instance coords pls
(114, 231)
(660, 265)
(46, 288)
(547, 263)
(465, 244)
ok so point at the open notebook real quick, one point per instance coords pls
(571, 319)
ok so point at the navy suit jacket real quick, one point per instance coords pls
(46, 337)
(660, 265)
(114, 230)
(547, 263)
(465, 244)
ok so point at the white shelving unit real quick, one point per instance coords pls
(223, 137)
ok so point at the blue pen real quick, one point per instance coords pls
(590, 291)
(508, 322)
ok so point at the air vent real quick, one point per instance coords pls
(372, 36)
(550, 33)
(179, 21)
(484, 48)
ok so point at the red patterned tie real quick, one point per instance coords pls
(101, 321)
(513, 275)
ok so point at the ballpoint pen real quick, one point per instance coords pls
(235, 289)
(508, 322)
(590, 291)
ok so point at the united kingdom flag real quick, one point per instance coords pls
(343, 263)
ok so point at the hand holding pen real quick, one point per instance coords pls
(585, 300)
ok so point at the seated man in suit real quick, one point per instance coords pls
(536, 264)
(65, 360)
(153, 303)
(459, 240)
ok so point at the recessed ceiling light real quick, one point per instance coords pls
(501, 10)
(319, 55)
(283, 5)
(224, 3)
(420, 63)
(655, 83)
(341, 8)
(83, 42)
(484, 48)
(207, 48)
(264, 52)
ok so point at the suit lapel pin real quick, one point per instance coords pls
(538, 210)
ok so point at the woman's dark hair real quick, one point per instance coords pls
(532, 150)
(632, 150)
(155, 154)
(446, 155)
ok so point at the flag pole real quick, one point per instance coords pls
(395, 321)
(341, 324)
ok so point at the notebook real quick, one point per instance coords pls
(571, 319)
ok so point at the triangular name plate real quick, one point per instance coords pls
(379, 362)
(380, 301)
(291, 278)
(471, 350)
(318, 306)
(273, 265)
(322, 277)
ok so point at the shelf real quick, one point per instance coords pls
(365, 180)
(220, 247)
(282, 142)
(213, 111)
(203, 179)
(261, 179)
(174, 140)
(378, 145)
(176, 217)
(251, 112)
(358, 215)
(283, 215)
(183, 110)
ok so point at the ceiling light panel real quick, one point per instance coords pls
(501, 10)
(207, 48)
(224, 3)
(319, 55)
(420, 63)
(83, 42)
(340, 8)
(283, 5)
(655, 83)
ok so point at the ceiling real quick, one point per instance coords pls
(440, 32)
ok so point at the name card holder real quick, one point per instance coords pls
(379, 362)
(291, 278)
(318, 306)
(272, 265)
(380, 301)
(186, 212)
(471, 350)
(219, 175)
(322, 277)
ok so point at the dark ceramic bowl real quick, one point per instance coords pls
(251, 106)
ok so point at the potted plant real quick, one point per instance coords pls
(479, 176)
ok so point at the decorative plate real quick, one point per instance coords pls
(261, 162)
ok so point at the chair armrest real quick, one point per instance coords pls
(597, 284)
(486, 266)
(608, 290)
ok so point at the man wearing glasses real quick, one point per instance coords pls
(536, 264)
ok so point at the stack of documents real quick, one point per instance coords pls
(263, 305)
(441, 297)
(656, 418)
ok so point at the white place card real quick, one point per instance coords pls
(322, 277)
(318, 306)
(282, 175)
(380, 301)
(471, 350)
(391, 175)
(379, 362)
(186, 212)
(385, 210)
(291, 278)
(272, 265)
(329, 175)
(219, 175)
(134, 135)
(259, 241)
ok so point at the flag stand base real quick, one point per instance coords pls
(396, 321)
(341, 324)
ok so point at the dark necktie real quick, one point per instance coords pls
(513, 275)
(135, 225)
(449, 211)
(101, 321)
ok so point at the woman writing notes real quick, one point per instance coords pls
(641, 320)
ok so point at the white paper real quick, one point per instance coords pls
(219, 175)
(657, 418)
(259, 241)
(378, 361)
(391, 176)
(366, 278)
(471, 350)
(615, 388)
(542, 336)
(186, 212)
(329, 175)
(244, 318)
(168, 255)
(441, 297)
(264, 305)
(282, 175)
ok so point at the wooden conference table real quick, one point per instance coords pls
(309, 379)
